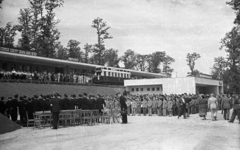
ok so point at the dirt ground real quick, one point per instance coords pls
(141, 133)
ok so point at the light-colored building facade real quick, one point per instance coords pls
(190, 85)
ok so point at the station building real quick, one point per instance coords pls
(190, 85)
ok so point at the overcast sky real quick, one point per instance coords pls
(177, 27)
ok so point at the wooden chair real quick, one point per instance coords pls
(78, 116)
(69, 118)
(106, 117)
(95, 116)
(87, 117)
(38, 122)
(29, 121)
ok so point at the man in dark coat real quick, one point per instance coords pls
(85, 102)
(8, 107)
(22, 110)
(29, 108)
(79, 101)
(182, 105)
(13, 108)
(2, 105)
(55, 102)
(45, 104)
(226, 105)
(65, 102)
(123, 107)
(72, 102)
(236, 109)
(92, 102)
(100, 103)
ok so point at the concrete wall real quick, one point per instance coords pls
(169, 85)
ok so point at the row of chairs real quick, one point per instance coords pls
(74, 117)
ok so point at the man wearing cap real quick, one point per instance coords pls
(236, 109)
(13, 108)
(85, 102)
(100, 104)
(123, 108)
(55, 103)
(226, 105)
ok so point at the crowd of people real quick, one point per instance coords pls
(45, 76)
(160, 105)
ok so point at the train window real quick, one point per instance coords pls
(132, 89)
(158, 89)
(148, 89)
(136, 89)
(153, 89)
(141, 89)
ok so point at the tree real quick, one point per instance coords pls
(155, 60)
(219, 67)
(166, 65)
(62, 53)
(129, 59)
(7, 34)
(141, 60)
(235, 4)
(102, 34)
(39, 27)
(25, 23)
(75, 50)
(88, 49)
(191, 58)
(230, 43)
(111, 58)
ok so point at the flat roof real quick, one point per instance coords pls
(8, 56)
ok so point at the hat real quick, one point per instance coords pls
(21, 98)
(80, 95)
(65, 95)
(85, 94)
(16, 96)
(2, 98)
(73, 95)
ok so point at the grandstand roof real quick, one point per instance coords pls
(8, 56)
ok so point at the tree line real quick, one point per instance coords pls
(37, 26)
(228, 68)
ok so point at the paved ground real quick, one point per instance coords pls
(142, 132)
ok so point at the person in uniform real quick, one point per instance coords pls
(22, 110)
(100, 103)
(149, 104)
(29, 108)
(55, 103)
(85, 102)
(144, 105)
(226, 105)
(154, 105)
(169, 107)
(213, 106)
(236, 109)
(13, 108)
(65, 102)
(164, 106)
(159, 106)
(182, 107)
(123, 107)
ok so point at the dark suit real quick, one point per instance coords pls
(85, 104)
(226, 106)
(123, 108)
(182, 110)
(22, 111)
(55, 111)
(29, 109)
(13, 112)
(99, 104)
(236, 110)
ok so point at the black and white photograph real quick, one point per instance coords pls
(119, 74)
